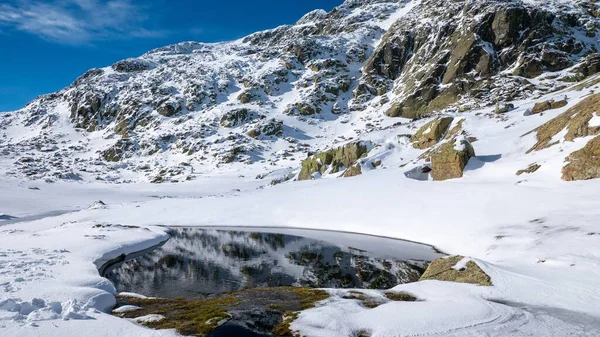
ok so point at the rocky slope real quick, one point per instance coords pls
(330, 83)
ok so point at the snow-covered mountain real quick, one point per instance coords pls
(499, 98)
(369, 71)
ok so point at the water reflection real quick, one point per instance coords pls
(196, 262)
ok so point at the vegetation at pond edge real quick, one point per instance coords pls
(198, 317)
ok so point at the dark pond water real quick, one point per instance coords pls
(236, 330)
(197, 262)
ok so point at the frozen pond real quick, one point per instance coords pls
(197, 262)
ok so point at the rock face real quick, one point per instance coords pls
(446, 269)
(575, 120)
(548, 105)
(430, 66)
(431, 133)
(271, 98)
(335, 160)
(448, 161)
(585, 163)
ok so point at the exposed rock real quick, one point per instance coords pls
(132, 65)
(585, 163)
(575, 120)
(441, 55)
(303, 109)
(431, 133)
(333, 160)
(400, 296)
(352, 171)
(443, 269)
(247, 96)
(116, 152)
(231, 155)
(531, 169)
(99, 204)
(449, 160)
(548, 105)
(589, 66)
(433, 66)
(88, 76)
(169, 108)
(272, 127)
(391, 56)
(237, 117)
(456, 130)
(85, 107)
(502, 109)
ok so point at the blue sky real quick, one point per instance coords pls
(45, 45)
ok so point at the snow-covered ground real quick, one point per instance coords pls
(537, 237)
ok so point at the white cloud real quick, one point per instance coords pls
(76, 21)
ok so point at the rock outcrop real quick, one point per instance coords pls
(431, 133)
(335, 160)
(548, 105)
(454, 269)
(431, 66)
(531, 169)
(575, 120)
(237, 117)
(585, 163)
(448, 161)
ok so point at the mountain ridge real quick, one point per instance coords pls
(261, 104)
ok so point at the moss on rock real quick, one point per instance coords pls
(442, 270)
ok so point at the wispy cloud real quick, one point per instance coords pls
(77, 21)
